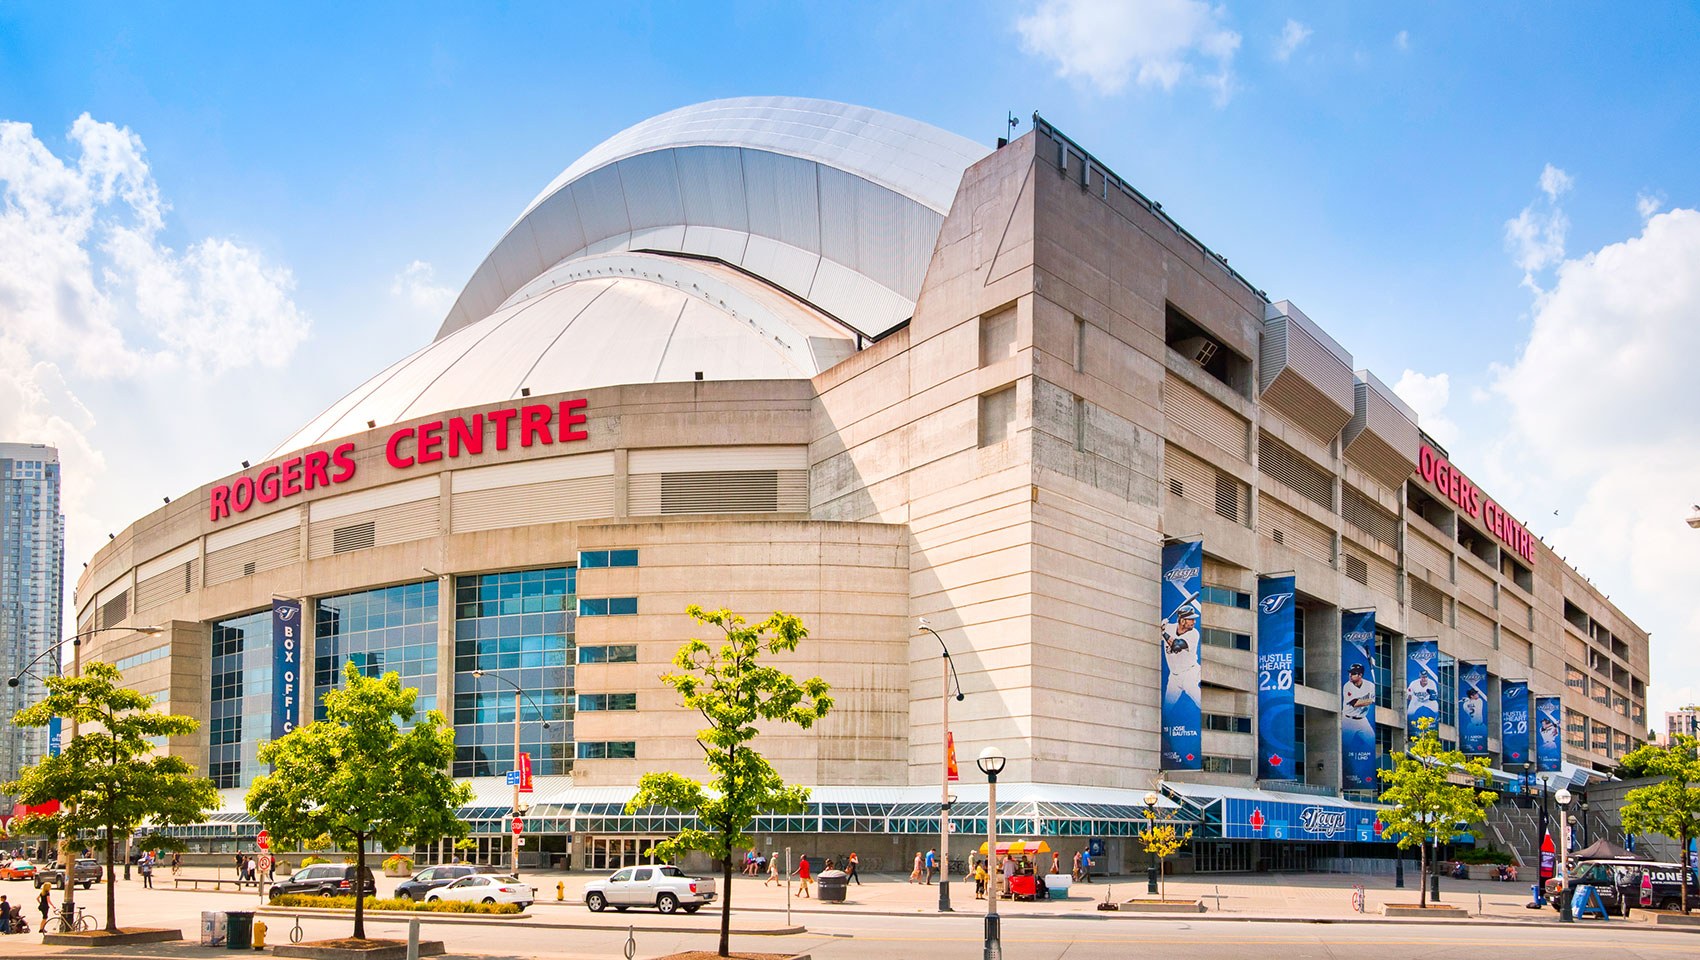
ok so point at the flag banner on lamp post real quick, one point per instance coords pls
(1357, 699)
(1472, 707)
(1514, 721)
(286, 666)
(1549, 724)
(950, 744)
(1422, 685)
(1275, 678)
(1183, 715)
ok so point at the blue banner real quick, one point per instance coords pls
(1183, 713)
(55, 736)
(1472, 707)
(1275, 679)
(1549, 727)
(1246, 819)
(1514, 721)
(286, 666)
(1422, 685)
(1357, 700)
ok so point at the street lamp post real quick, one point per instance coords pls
(1152, 872)
(1565, 899)
(946, 801)
(991, 762)
(67, 861)
(519, 697)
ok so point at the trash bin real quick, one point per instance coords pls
(213, 928)
(834, 884)
(239, 930)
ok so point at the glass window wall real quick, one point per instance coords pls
(241, 708)
(389, 629)
(516, 626)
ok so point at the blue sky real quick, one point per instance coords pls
(309, 184)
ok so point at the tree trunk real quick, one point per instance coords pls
(726, 905)
(1422, 874)
(359, 886)
(111, 887)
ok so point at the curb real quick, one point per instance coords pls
(524, 920)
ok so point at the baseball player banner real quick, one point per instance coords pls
(286, 665)
(1183, 713)
(1549, 755)
(1357, 699)
(1514, 720)
(1472, 707)
(1275, 678)
(1422, 685)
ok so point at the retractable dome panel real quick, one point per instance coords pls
(1304, 373)
(1382, 437)
(837, 204)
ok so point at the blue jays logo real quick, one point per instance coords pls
(287, 614)
(1274, 602)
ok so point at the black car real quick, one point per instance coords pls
(86, 873)
(1619, 884)
(326, 880)
(431, 878)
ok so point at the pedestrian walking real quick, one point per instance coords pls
(1056, 863)
(772, 868)
(803, 877)
(1086, 864)
(1008, 872)
(147, 872)
(915, 873)
(932, 864)
(5, 915)
(853, 874)
(176, 863)
(979, 879)
(44, 903)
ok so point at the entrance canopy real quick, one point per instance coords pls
(1243, 813)
(1018, 848)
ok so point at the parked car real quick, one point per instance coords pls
(486, 888)
(664, 887)
(326, 880)
(1610, 877)
(85, 873)
(17, 870)
(433, 878)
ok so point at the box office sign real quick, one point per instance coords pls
(286, 666)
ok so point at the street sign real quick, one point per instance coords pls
(519, 826)
(265, 865)
(264, 839)
(513, 778)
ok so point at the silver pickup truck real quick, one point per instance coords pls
(664, 887)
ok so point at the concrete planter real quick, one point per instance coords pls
(100, 938)
(1438, 911)
(405, 870)
(366, 950)
(1162, 906)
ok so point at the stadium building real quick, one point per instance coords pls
(775, 353)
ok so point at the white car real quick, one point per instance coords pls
(486, 888)
(664, 887)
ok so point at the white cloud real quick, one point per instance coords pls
(416, 286)
(1647, 204)
(1601, 405)
(93, 303)
(1429, 396)
(1292, 35)
(1402, 40)
(1152, 42)
(1535, 237)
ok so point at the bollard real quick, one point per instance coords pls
(1434, 888)
(1399, 872)
(413, 938)
(1151, 879)
(561, 890)
(1566, 903)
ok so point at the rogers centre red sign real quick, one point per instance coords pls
(533, 424)
(1446, 478)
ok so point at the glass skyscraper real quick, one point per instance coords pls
(32, 586)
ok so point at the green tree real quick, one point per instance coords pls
(1163, 842)
(109, 778)
(1671, 806)
(356, 778)
(733, 690)
(1427, 805)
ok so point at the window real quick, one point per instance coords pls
(1227, 723)
(146, 656)
(592, 559)
(1198, 345)
(1299, 645)
(613, 653)
(607, 701)
(607, 750)
(997, 416)
(607, 607)
(1223, 638)
(1383, 671)
(1225, 596)
(1240, 765)
(1448, 690)
(241, 698)
(391, 628)
(518, 625)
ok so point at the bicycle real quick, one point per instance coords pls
(64, 922)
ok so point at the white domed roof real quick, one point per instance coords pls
(595, 322)
(838, 204)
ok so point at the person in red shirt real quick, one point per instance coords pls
(803, 876)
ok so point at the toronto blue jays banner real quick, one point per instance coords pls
(1514, 720)
(1275, 678)
(1549, 755)
(55, 736)
(1472, 707)
(286, 665)
(1357, 699)
(1422, 685)
(1183, 714)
